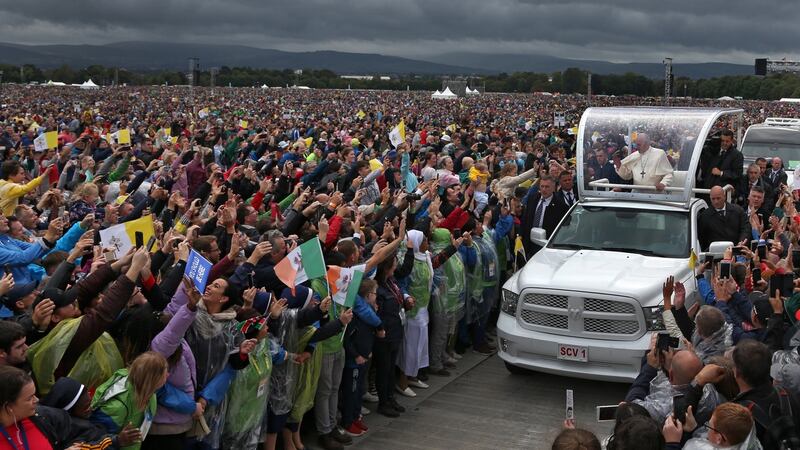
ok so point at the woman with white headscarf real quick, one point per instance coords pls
(413, 354)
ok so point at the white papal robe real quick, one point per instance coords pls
(647, 169)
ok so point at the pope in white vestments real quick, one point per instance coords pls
(648, 166)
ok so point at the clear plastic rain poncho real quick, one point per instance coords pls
(659, 402)
(213, 338)
(702, 442)
(305, 387)
(475, 304)
(785, 370)
(281, 387)
(449, 279)
(247, 400)
(491, 272)
(714, 345)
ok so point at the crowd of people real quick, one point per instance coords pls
(124, 351)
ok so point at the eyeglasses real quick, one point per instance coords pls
(714, 430)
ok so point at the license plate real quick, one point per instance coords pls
(573, 353)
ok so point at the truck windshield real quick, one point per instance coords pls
(789, 154)
(652, 233)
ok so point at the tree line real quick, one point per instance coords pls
(569, 81)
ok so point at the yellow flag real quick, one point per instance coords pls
(124, 137)
(308, 142)
(452, 127)
(46, 141)
(242, 124)
(361, 114)
(374, 165)
(692, 260)
(52, 139)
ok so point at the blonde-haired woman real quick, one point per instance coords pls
(129, 397)
(86, 196)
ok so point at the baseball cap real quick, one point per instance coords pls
(57, 296)
(19, 291)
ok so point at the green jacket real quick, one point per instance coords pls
(114, 406)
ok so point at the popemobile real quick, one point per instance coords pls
(585, 305)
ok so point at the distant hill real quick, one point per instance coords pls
(510, 63)
(161, 55)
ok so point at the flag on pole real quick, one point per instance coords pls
(301, 264)
(46, 141)
(398, 134)
(123, 236)
(361, 114)
(519, 251)
(344, 283)
(692, 259)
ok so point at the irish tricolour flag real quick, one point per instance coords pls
(301, 264)
(344, 283)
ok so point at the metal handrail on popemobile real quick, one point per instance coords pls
(604, 183)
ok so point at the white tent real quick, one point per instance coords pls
(447, 94)
(726, 99)
(472, 91)
(89, 84)
(264, 86)
(55, 83)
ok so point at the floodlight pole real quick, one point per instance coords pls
(667, 80)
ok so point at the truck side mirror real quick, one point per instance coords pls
(718, 248)
(539, 236)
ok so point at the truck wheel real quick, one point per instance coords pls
(515, 370)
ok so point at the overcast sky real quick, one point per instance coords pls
(619, 30)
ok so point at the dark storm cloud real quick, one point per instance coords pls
(619, 30)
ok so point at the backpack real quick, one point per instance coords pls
(780, 431)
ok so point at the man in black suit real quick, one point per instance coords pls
(542, 211)
(567, 194)
(777, 176)
(753, 179)
(722, 221)
(600, 167)
(726, 165)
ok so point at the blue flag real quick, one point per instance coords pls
(198, 269)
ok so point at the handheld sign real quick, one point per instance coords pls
(198, 269)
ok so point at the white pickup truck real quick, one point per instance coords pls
(586, 304)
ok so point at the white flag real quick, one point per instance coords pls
(398, 134)
(40, 143)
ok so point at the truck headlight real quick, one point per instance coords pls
(653, 318)
(509, 303)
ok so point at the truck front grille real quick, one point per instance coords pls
(581, 317)
(545, 320)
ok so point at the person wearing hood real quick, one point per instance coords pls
(413, 354)
(73, 397)
(447, 305)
